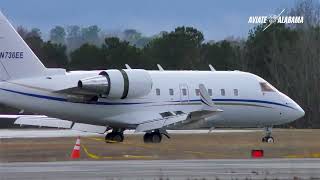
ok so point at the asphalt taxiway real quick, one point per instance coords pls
(165, 169)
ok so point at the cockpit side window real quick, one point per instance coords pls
(265, 87)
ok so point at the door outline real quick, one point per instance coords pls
(184, 98)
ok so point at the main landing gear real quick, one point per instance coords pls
(115, 136)
(154, 137)
(268, 138)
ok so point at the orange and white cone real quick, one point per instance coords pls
(76, 150)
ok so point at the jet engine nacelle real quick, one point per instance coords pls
(119, 84)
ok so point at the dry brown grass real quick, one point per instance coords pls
(300, 143)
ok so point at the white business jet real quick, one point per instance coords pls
(147, 101)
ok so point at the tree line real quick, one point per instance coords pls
(287, 56)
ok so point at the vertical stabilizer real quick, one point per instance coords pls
(16, 58)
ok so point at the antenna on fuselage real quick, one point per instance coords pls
(127, 66)
(160, 68)
(212, 68)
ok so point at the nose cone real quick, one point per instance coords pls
(300, 112)
(292, 113)
(295, 113)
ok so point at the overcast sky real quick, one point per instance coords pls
(217, 19)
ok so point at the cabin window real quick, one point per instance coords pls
(197, 92)
(184, 92)
(158, 92)
(223, 92)
(236, 92)
(210, 92)
(265, 87)
(171, 92)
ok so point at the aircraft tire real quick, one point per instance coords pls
(147, 138)
(268, 139)
(118, 137)
(156, 137)
(108, 137)
(114, 137)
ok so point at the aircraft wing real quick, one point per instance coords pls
(45, 121)
(180, 118)
(161, 123)
(176, 120)
(42, 121)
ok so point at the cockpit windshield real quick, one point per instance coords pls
(266, 87)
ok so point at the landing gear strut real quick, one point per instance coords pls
(268, 138)
(115, 136)
(152, 137)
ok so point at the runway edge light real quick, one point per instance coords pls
(76, 149)
(257, 153)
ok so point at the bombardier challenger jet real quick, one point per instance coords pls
(147, 101)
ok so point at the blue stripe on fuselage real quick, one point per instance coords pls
(249, 100)
(121, 103)
(63, 99)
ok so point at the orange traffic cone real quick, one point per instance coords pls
(76, 150)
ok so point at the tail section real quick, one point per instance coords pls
(16, 58)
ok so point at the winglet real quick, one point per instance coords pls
(127, 66)
(212, 68)
(160, 68)
(206, 99)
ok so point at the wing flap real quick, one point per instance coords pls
(160, 123)
(89, 128)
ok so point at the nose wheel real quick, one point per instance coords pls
(268, 137)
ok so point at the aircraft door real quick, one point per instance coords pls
(184, 93)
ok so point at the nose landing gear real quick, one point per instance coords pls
(268, 138)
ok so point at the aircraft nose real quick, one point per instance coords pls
(295, 112)
(300, 112)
